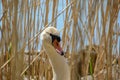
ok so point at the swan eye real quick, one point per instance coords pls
(57, 44)
(55, 37)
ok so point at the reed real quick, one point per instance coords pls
(90, 38)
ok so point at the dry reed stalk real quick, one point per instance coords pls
(54, 11)
(113, 17)
(47, 12)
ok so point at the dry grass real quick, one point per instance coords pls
(90, 38)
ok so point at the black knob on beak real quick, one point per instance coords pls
(62, 53)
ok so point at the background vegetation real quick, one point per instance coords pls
(90, 37)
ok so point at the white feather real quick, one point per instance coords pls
(60, 68)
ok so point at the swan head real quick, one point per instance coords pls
(51, 36)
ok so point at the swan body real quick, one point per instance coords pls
(60, 68)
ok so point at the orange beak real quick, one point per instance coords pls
(57, 46)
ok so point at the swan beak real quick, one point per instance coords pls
(58, 48)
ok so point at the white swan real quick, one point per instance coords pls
(50, 39)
